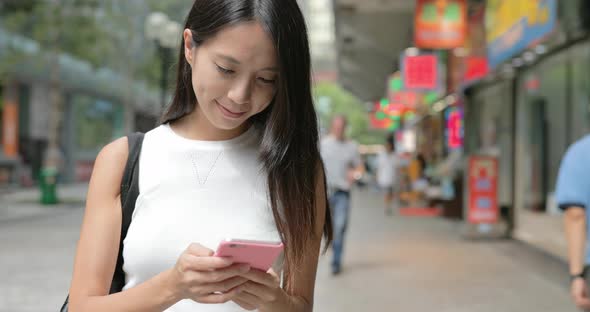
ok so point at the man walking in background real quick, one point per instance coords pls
(573, 196)
(343, 166)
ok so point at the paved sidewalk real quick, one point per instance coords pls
(423, 264)
(391, 264)
(24, 203)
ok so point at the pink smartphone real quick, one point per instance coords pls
(258, 254)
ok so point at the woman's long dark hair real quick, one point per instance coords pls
(289, 147)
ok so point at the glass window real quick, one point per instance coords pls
(96, 122)
(553, 84)
(541, 128)
(569, 15)
(493, 135)
(580, 112)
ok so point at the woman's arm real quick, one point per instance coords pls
(98, 246)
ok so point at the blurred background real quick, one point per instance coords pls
(471, 90)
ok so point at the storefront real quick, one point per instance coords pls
(93, 112)
(91, 124)
(534, 103)
(553, 111)
(430, 138)
(489, 124)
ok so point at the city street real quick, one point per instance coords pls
(391, 264)
(459, 108)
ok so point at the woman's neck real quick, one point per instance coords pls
(196, 126)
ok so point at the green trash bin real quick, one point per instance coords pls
(47, 183)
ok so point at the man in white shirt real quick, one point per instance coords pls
(387, 167)
(343, 164)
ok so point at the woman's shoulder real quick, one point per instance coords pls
(116, 150)
(109, 167)
(119, 148)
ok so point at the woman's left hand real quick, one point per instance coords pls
(263, 292)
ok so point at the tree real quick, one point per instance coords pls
(58, 26)
(331, 99)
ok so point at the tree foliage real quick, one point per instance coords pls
(332, 100)
(78, 23)
(104, 33)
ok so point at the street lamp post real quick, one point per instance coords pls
(166, 34)
(165, 61)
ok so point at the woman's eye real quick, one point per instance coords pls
(267, 81)
(224, 70)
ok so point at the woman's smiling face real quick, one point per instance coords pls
(234, 74)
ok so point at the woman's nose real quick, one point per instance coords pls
(241, 91)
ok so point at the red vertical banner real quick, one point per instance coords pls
(454, 128)
(483, 189)
(10, 129)
(440, 24)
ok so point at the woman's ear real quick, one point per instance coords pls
(188, 46)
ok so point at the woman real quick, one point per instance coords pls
(387, 171)
(236, 156)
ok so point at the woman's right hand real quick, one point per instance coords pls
(200, 276)
(579, 292)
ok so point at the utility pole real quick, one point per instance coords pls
(53, 158)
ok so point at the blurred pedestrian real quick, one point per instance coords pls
(343, 167)
(236, 156)
(387, 174)
(573, 196)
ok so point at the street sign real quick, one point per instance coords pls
(483, 189)
(440, 24)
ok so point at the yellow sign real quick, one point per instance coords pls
(502, 15)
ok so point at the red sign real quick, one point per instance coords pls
(380, 123)
(532, 84)
(477, 68)
(420, 72)
(454, 129)
(483, 189)
(408, 99)
(440, 24)
(394, 109)
(386, 115)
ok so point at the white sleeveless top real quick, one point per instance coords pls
(195, 191)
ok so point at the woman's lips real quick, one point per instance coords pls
(228, 113)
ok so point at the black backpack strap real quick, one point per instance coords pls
(129, 193)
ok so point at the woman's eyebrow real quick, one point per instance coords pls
(236, 62)
(228, 58)
(274, 69)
